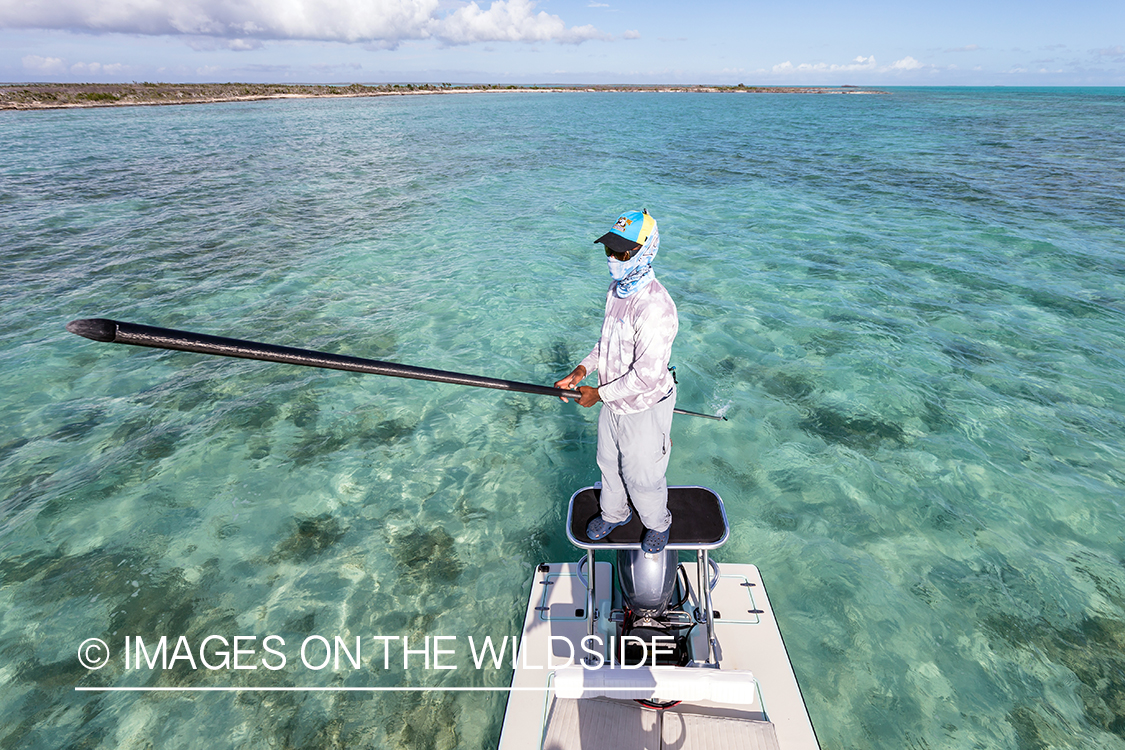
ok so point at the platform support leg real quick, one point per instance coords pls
(591, 585)
(711, 643)
(707, 611)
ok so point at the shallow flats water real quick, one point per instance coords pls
(910, 307)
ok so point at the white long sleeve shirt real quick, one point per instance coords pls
(632, 355)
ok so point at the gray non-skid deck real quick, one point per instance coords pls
(603, 724)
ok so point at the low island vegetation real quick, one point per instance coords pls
(65, 95)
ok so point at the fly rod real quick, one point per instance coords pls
(117, 332)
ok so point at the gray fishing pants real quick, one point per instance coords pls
(633, 451)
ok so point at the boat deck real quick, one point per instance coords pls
(748, 637)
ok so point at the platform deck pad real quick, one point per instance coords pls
(698, 521)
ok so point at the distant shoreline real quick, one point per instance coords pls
(33, 96)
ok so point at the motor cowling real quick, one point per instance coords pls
(647, 580)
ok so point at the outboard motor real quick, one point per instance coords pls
(648, 585)
(646, 581)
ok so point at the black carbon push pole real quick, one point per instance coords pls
(116, 332)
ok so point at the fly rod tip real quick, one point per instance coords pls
(97, 329)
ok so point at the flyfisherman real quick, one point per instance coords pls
(634, 384)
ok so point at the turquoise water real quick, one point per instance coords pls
(910, 306)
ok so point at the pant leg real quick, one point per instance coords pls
(646, 445)
(633, 453)
(615, 508)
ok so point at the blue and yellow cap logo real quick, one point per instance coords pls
(632, 229)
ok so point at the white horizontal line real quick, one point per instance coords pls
(231, 689)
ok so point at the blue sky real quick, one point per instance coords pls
(953, 42)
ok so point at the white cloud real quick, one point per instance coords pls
(210, 44)
(631, 34)
(37, 64)
(57, 66)
(241, 45)
(98, 69)
(386, 22)
(507, 21)
(859, 64)
(966, 48)
(1116, 52)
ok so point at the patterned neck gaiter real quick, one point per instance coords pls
(634, 274)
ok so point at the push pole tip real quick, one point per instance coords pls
(98, 329)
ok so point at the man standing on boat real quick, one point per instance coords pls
(634, 384)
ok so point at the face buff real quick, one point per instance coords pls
(634, 274)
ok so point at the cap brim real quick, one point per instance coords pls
(617, 243)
